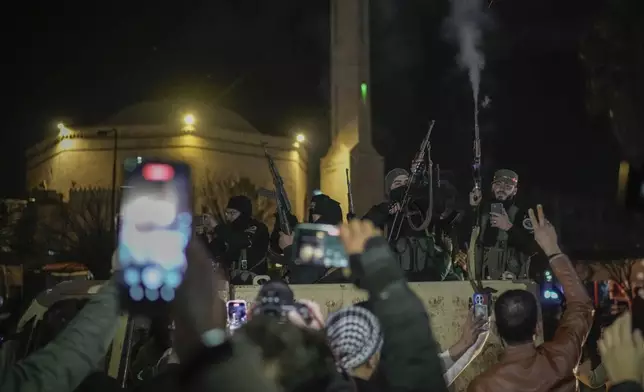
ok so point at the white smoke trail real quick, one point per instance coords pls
(466, 22)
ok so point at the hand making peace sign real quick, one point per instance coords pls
(544, 232)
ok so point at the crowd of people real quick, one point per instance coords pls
(383, 344)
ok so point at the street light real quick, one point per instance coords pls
(189, 119)
(63, 131)
(300, 138)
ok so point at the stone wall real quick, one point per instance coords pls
(85, 159)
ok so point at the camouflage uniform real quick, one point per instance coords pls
(505, 254)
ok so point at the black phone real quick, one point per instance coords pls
(497, 208)
(155, 229)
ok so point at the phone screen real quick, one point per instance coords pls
(237, 313)
(497, 208)
(480, 306)
(319, 244)
(155, 229)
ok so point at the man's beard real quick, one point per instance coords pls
(501, 196)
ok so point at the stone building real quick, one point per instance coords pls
(216, 142)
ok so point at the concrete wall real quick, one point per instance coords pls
(84, 159)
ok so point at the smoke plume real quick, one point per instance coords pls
(465, 23)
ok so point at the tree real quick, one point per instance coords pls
(217, 191)
(81, 231)
(622, 272)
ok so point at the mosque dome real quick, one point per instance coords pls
(173, 112)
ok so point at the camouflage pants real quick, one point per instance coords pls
(423, 260)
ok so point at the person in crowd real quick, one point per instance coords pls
(549, 366)
(469, 346)
(158, 342)
(505, 243)
(72, 354)
(590, 372)
(355, 337)
(241, 242)
(409, 360)
(622, 351)
(455, 359)
(296, 359)
(424, 255)
(323, 210)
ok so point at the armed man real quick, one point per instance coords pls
(505, 243)
(323, 210)
(425, 254)
(241, 242)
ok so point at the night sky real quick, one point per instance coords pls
(80, 62)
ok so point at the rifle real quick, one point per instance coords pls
(351, 214)
(281, 198)
(475, 281)
(425, 148)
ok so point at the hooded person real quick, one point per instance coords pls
(425, 254)
(240, 243)
(322, 210)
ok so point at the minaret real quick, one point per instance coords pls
(351, 143)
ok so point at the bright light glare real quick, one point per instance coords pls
(145, 210)
(61, 125)
(189, 119)
(300, 138)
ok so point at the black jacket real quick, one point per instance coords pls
(409, 361)
(231, 238)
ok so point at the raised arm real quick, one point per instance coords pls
(578, 316)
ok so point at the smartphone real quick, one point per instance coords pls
(155, 229)
(497, 208)
(320, 245)
(480, 304)
(237, 313)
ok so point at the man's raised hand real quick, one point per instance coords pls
(544, 232)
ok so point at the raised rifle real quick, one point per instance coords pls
(475, 281)
(416, 172)
(284, 211)
(351, 214)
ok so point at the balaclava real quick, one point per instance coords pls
(244, 206)
(329, 210)
(398, 193)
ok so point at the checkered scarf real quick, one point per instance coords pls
(354, 336)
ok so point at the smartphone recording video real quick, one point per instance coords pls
(497, 208)
(480, 304)
(320, 245)
(237, 315)
(156, 226)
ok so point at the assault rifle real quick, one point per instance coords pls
(351, 214)
(415, 175)
(284, 211)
